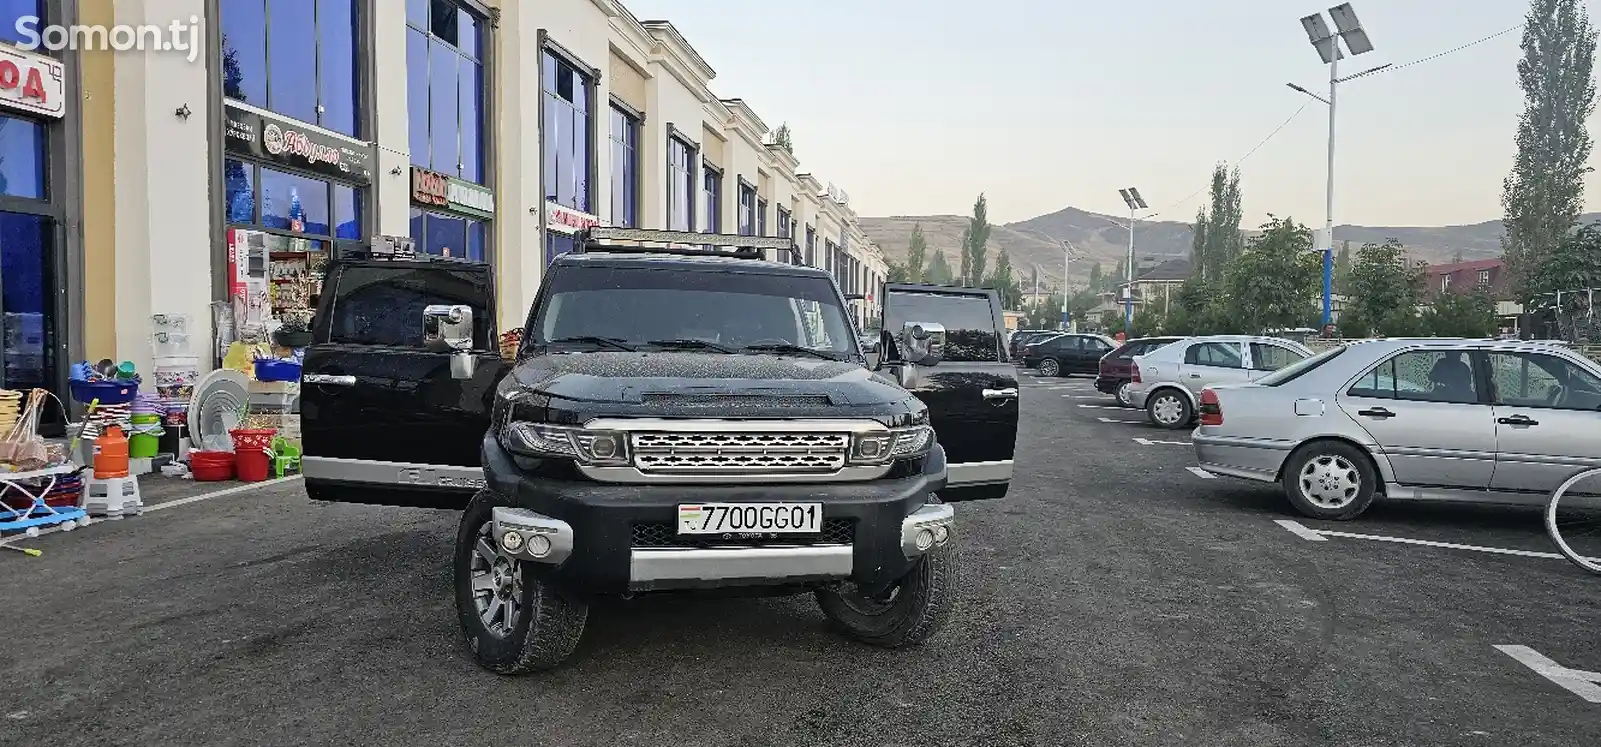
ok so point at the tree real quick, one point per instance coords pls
(916, 254)
(1275, 282)
(1004, 284)
(1217, 232)
(974, 241)
(1544, 194)
(1384, 291)
(1043, 314)
(1342, 269)
(1119, 276)
(783, 138)
(1454, 314)
(1148, 321)
(939, 271)
(1097, 277)
(1573, 270)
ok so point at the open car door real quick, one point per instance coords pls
(971, 392)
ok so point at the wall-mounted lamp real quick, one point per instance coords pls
(396, 171)
(183, 112)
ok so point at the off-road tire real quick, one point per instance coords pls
(924, 603)
(549, 626)
(1360, 463)
(1186, 410)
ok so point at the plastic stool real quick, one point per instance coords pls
(112, 497)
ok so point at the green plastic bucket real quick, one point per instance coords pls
(143, 446)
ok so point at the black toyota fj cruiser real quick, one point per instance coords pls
(675, 419)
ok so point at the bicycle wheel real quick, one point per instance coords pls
(1573, 519)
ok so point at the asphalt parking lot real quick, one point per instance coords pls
(1116, 597)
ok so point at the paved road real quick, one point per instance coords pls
(1115, 598)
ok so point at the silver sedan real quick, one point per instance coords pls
(1481, 421)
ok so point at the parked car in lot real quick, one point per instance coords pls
(1485, 421)
(1116, 366)
(1014, 346)
(1167, 382)
(1067, 354)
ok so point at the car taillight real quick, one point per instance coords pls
(1211, 409)
(1134, 373)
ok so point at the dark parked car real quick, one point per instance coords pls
(1117, 367)
(1067, 354)
(1023, 337)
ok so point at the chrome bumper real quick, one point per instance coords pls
(737, 566)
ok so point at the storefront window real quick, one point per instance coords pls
(624, 168)
(568, 157)
(445, 235)
(747, 209)
(680, 185)
(29, 344)
(22, 158)
(714, 200)
(13, 10)
(445, 88)
(259, 197)
(294, 57)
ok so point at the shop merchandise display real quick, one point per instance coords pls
(39, 486)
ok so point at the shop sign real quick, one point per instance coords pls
(563, 219)
(264, 137)
(437, 190)
(32, 82)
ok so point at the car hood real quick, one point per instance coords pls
(643, 377)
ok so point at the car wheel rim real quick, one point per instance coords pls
(1122, 393)
(1330, 481)
(497, 583)
(1048, 368)
(1167, 409)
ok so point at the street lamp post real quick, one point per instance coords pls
(1067, 260)
(1135, 202)
(1327, 44)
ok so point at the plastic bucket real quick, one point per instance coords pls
(259, 439)
(253, 465)
(211, 466)
(143, 446)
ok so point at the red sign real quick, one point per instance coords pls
(429, 187)
(567, 220)
(32, 82)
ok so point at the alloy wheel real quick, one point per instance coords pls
(1049, 367)
(497, 583)
(1330, 481)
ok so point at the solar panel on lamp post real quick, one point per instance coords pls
(1327, 43)
(1135, 202)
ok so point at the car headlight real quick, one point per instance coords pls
(881, 447)
(545, 440)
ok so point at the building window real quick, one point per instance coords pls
(761, 217)
(811, 246)
(714, 199)
(680, 185)
(624, 168)
(747, 209)
(446, 235)
(1445, 283)
(830, 257)
(568, 127)
(285, 202)
(445, 88)
(786, 229)
(22, 158)
(1484, 278)
(294, 57)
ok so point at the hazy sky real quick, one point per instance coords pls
(914, 107)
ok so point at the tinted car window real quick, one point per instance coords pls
(639, 304)
(970, 333)
(1421, 376)
(1217, 354)
(1542, 380)
(383, 305)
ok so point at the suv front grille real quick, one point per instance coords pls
(665, 534)
(690, 453)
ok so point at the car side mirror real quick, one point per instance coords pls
(922, 343)
(449, 329)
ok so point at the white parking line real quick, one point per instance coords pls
(1300, 530)
(1154, 442)
(1103, 407)
(1125, 422)
(1582, 683)
(1201, 473)
(165, 505)
(1089, 396)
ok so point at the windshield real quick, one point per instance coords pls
(1299, 368)
(645, 307)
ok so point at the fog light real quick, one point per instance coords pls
(925, 539)
(941, 533)
(511, 541)
(539, 545)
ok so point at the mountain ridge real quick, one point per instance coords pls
(1036, 242)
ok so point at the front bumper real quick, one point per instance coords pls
(600, 539)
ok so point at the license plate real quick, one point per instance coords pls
(739, 518)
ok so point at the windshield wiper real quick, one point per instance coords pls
(692, 344)
(615, 343)
(775, 347)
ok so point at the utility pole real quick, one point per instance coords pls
(1327, 43)
(1135, 202)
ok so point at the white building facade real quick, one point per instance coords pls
(475, 128)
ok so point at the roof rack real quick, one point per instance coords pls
(688, 243)
(385, 256)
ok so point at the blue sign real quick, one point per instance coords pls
(1067, 319)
